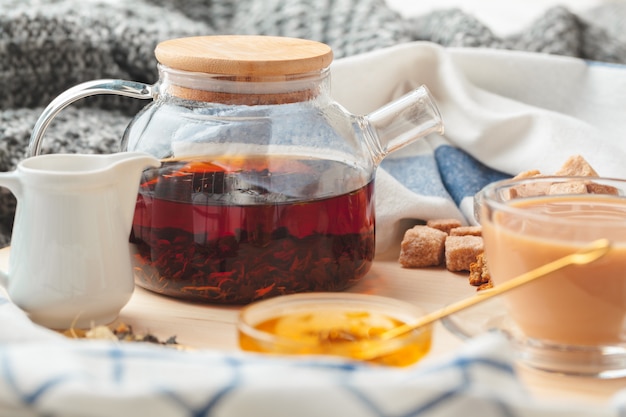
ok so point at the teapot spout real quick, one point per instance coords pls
(405, 120)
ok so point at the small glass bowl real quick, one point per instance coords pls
(336, 324)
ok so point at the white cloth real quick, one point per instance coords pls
(504, 110)
(43, 373)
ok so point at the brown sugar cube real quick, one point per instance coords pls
(467, 231)
(594, 188)
(576, 165)
(573, 187)
(527, 174)
(526, 190)
(422, 246)
(445, 225)
(461, 251)
(479, 275)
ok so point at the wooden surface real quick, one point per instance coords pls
(213, 327)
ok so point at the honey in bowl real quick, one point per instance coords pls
(345, 325)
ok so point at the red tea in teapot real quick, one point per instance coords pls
(241, 229)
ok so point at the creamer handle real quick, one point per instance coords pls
(4, 279)
(86, 89)
(11, 181)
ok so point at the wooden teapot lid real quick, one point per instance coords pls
(242, 55)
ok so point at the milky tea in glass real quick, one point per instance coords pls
(528, 223)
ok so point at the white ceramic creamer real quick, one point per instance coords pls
(70, 262)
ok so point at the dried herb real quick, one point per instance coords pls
(236, 271)
(121, 332)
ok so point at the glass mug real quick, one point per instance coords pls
(267, 184)
(572, 321)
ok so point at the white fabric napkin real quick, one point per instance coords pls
(44, 373)
(504, 112)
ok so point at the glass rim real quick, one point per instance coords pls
(280, 305)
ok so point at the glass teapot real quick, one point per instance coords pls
(266, 185)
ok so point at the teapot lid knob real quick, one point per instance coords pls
(244, 55)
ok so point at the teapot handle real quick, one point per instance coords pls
(86, 89)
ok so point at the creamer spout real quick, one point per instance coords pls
(128, 166)
(403, 121)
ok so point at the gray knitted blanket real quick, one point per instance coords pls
(47, 46)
